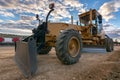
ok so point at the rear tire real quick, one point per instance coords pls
(69, 46)
(112, 44)
(109, 45)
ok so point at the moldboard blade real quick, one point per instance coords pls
(26, 57)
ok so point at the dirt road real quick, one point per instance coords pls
(91, 66)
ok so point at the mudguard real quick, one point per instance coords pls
(26, 57)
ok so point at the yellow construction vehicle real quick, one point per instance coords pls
(68, 40)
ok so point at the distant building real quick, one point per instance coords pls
(8, 41)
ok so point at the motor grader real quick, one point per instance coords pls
(67, 39)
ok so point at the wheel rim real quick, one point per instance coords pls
(73, 46)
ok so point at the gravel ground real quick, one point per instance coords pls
(91, 66)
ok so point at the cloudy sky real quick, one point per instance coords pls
(18, 16)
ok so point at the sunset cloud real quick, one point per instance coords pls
(1, 20)
(27, 9)
(19, 15)
(109, 8)
(111, 30)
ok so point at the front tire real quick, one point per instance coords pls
(69, 46)
(44, 50)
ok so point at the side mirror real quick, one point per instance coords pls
(51, 6)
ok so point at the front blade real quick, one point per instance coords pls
(25, 57)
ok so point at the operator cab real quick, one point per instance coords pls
(91, 19)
